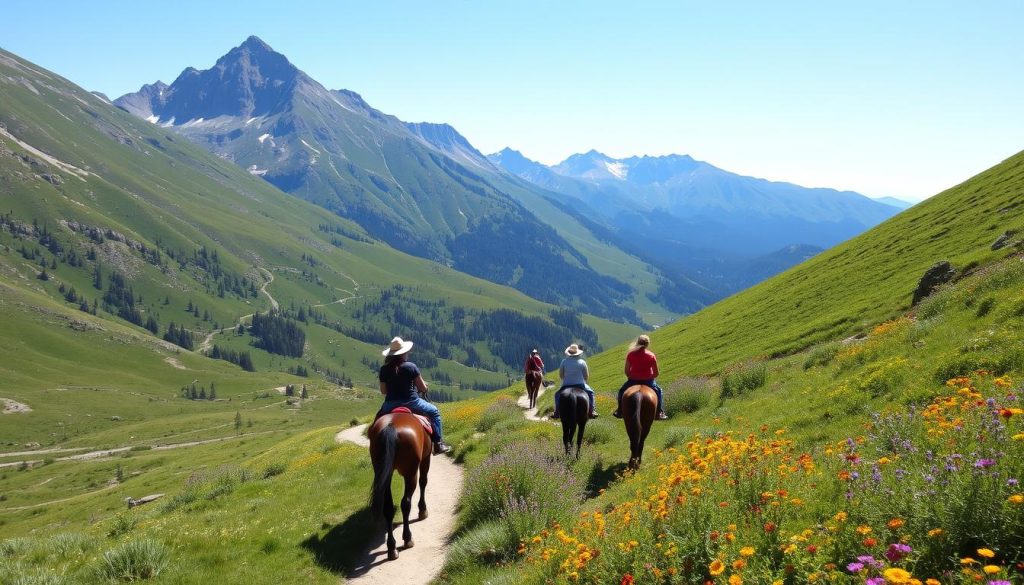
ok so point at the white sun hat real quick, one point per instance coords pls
(398, 346)
(573, 350)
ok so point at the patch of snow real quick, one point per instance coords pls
(154, 119)
(168, 123)
(617, 169)
(460, 212)
(264, 137)
(310, 147)
(195, 122)
(257, 171)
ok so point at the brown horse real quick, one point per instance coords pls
(533, 381)
(399, 442)
(639, 404)
(574, 410)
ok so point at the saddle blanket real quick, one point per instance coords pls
(423, 420)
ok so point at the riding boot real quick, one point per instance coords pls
(440, 448)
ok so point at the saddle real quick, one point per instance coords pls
(423, 420)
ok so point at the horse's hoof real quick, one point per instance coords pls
(409, 543)
(423, 514)
(393, 555)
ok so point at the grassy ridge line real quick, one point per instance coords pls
(841, 291)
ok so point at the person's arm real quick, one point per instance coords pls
(561, 372)
(656, 372)
(625, 370)
(383, 388)
(586, 372)
(421, 386)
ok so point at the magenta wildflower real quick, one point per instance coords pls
(897, 551)
(855, 567)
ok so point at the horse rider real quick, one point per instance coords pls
(641, 369)
(534, 363)
(574, 372)
(402, 385)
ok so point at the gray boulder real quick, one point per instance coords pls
(939, 274)
(1004, 240)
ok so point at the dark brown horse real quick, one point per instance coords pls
(574, 411)
(398, 442)
(534, 379)
(639, 404)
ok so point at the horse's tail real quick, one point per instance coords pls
(636, 401)
(383, 468)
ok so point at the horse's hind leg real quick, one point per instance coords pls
(389, 522)
(424, 468)
(410, 487)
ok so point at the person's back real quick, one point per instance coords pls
(575, 371)
(400, 381)
(642, 364)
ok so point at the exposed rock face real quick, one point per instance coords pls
(1004, 240)
(940, 273)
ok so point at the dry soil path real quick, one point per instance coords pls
(531, 413)
(422, 563)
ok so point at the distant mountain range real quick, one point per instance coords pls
(613, 237)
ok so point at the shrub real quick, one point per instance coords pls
(688, 395)
(13, 547)
(485, 543)
(122, 524)
(885, 377)
(133, 560)
(501, 409)
(821, 355)
(68, 544)
(274, 469)
(526, 485)
(744, 379)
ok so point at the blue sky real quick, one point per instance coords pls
(886, 98)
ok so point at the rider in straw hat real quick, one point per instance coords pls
(402, 385)
(574, 372)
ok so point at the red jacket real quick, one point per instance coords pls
(534, 364)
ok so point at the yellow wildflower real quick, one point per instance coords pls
(987, 553)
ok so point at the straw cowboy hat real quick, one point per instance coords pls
(398, 346)
(573, 350)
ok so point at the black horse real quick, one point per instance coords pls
(574, 411)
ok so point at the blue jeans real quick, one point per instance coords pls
(651, 383)
(418, 406)
(590, 394)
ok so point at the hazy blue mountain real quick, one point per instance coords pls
(694, 203)
(894, 202)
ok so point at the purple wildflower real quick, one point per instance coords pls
(897, 551)
(855, 567)
(875, 581)
(984, 463)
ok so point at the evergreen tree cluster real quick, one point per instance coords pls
(120, 299)
(179, 336)
(444, 332)
(278, 334)
(240, 358)
(194, 392)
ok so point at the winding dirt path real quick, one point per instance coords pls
(531, 413)
(422, 563)
(207, 343)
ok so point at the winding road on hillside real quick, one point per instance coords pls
(207, 343)
(422, 563)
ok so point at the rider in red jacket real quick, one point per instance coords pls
(534, 363)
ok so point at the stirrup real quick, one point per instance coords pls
(440, 448)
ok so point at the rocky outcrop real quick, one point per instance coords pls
(1004, 240)
(939, 274)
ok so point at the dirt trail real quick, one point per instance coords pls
(531, 413)
(207, 343)
(422, 563)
